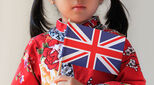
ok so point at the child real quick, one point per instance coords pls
(39, 65)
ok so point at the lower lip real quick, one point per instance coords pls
(79, 8)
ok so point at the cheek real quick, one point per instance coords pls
(63, 6)
(64, 10)
(92, 8)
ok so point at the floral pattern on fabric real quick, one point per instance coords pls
(89, 81)
(51, 57)
(50, 53)
(27, 63)
(132, 64)
(56, 34)
(20, 77)
(132, 61)
(47, 75)
(40, 62)
(129, 51)
(67, 70)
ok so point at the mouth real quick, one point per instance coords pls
(79, 7)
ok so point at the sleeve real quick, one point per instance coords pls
(130, 71)
(28, 69)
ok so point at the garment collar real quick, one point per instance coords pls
(93, 22)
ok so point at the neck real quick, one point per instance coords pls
(65, 20)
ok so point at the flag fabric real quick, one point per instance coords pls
(93, 48)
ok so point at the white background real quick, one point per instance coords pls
(14, 34)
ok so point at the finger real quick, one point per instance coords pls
(61, 78)
(62, 83)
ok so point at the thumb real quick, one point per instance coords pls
(61, 78)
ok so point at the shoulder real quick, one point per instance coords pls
(39, 39)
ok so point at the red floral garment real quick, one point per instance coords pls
(39, 65)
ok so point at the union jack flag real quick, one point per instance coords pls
(93, 48)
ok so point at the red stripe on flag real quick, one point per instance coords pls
(77, 32)
(87, 47)
(93, 48)
(110, 64)
(69, 59)
(111, 41)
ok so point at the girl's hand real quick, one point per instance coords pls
(65, 80)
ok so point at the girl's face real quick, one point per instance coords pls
(78, 11)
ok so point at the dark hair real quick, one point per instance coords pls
(116, 18)
(38, 23)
